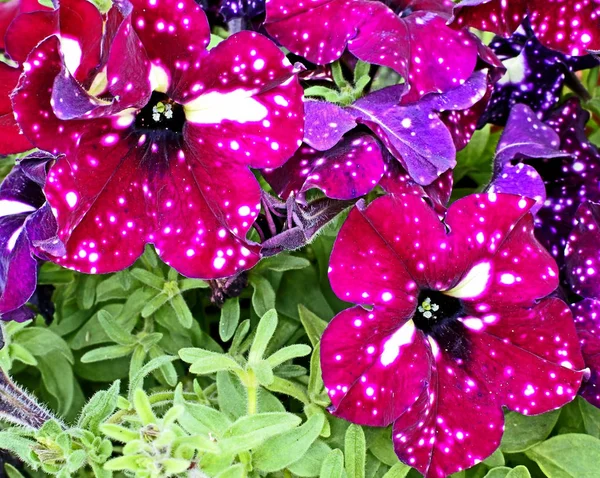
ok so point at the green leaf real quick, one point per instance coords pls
(333, 465)
(263, 297)
(17, 445)
(495, 459)
(99, 408)
(521, 432)
(235, 471)
(190, 284)
(310, 463)
(313, 325)
(264, 332)
(355, 449)
(383, 448)
(288, 353)
(591, 417)
(57, 376)
(282, 450)
(41, 341)
(567, 456)
(137, 381)
(155, 303)
(230, 317)
(231, 395)
(282, 263)
(109, 352)
(182, 311)
(399, 470)
(519, 472)
(114, 330)
(205, 362)
(251, 431)
(148, 278)
(287, 387)
(500, 472)
(11, 471)
(263, 372)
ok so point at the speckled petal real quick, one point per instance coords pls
(522, 180)
(414, 134)
(455, 424)
(347, 171)
(246, 102)
(325, 124)
(174, 33)
(569, 181)
(582, 254)
(535, 76)
(526, 135)
(366, 358)
(569, 27)
(231, 9)
(366, 266)
(13, 141)
(587, 322)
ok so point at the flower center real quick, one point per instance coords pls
(160, 114)
(437, 316)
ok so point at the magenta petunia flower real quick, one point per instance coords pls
(587, 322)
(409, 36)
(452, 324)
(79, 25)
(570, 27)
(158, 149)
(27, 232)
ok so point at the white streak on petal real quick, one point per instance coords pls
(10, 245)
(159, 79)
(214, 107)
(391, 348)
(71, 51)
(473, 284)
(9, 208)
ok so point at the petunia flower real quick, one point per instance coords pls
(569, 27)
(27, 232)
(535, 76)
(79, 25)
(408, 147)
(163, 155)
(409, 36)
(486, 337)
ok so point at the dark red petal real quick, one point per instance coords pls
(347, 171)
(8, 12)
(367, 358)
(175, 34)
(27, 30)
(246, 102)
(370, 264)
(499, 16)
(582, 254)
(455, 424)
(587, 322)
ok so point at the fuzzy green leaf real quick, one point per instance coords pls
(288, 353)
(522, 432)
(148, 278)
(333, 465)
(399, 470)
(99, 408)
(567, 456)
(355, 451)
(281, 451)
(109, 352)
(182, 311)
(264, 333)
(230, 317)
(114, 330)
(137, 380)
(313, 325)
(263, 297)
(282, 263)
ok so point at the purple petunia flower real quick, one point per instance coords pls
(409, 36)
(535, 76)
(570, 27)
(27, 230)
(157, 150)
(452, 325)
(346, 163)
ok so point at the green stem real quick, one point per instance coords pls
(338, 75)
(252, 391)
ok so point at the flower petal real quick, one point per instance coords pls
(347, 171)
(582, 254)
(587, 313)
(367, 357)
(246, 101)
(325, 124)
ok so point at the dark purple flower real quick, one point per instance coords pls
(79, 24)
(409, 36)
(232, 9)
(587, 323)
(27, 230)
(159, 153)
(347, 164)
(535, 76)
(452, 324)
(571, 27)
